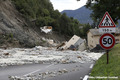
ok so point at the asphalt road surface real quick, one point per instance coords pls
(77, 71)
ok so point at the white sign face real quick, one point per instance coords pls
(107, 41)
(107, 30)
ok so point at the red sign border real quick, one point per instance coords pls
(100, 41)
(103, 19)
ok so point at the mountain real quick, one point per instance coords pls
(82, 14)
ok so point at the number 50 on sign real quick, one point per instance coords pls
(107, 41)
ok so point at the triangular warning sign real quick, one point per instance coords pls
(106, 21)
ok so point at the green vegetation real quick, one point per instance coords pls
(6, 38)
(112, 69)
(101, 6)
(43, 14)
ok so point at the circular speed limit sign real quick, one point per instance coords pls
(107, 41)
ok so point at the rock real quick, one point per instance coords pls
(52, 75)
(79, 57)
(6, 54)
(11, 77)
(63, 71)
(38, 47)
(64, 62)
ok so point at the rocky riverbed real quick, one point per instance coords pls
(38, 54)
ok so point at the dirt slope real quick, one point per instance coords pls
(15, 32)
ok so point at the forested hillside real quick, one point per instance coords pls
(20, 22)
(43, 14)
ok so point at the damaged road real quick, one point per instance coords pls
(44, 63)
(72, 71)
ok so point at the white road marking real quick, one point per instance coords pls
(86, 77)
(37, 70)
(91, 66)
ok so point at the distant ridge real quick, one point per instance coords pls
(82, 14)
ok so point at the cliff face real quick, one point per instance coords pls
(14, 30)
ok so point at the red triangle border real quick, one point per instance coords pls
(110, 19)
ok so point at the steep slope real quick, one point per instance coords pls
(13, 27)
(16, 32)
(82, 14)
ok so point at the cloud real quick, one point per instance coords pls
(67, 4)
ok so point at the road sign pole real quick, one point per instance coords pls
(107, 52)
(107, 41)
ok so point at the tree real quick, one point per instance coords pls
(99, 7)
(41, 13)
(85, 29)
(64, 21)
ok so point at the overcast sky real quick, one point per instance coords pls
(67, 4)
